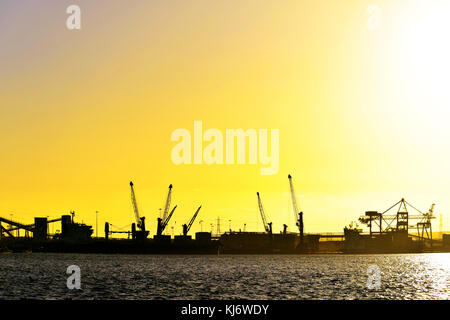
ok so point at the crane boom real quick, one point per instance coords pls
(166, 222)
(187, 227)
(193, 218)
(167, 206)
(135, 207)
(261, 211)
(298, 215)
(267, 226)
(294, 200)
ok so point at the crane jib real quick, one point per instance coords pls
(135, 206)
(193, 219)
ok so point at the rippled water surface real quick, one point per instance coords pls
(43, 276)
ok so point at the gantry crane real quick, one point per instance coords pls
(383, 222)
(267, 226)
(187, 227)
(298, 214)
(140, 221)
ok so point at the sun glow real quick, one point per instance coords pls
(425, 56)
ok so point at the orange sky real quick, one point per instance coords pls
(362, 114)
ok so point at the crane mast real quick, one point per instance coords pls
(167, 206)
(187, 227)
(165, 218)
(162, 224)
(139, 221)
(267, 226)
(298, 214)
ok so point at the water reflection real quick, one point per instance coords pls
(42, 276)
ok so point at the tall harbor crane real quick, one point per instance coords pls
(298, 214)
(164, 220)
(140, 221)
(187, 227)
(167, 206)
(267, 226)
(162, 224)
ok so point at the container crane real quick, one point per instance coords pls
(267, 226)
(400, 221)
(298, 214)
(187, 227)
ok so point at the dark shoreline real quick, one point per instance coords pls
(151, 247)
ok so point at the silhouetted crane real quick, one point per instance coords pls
(167, 206)
(187, 227)
(267, 226)
(140, 221)
(162, 224)
(298, 214)
(164, 220)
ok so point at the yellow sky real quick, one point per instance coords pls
(362, 113)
